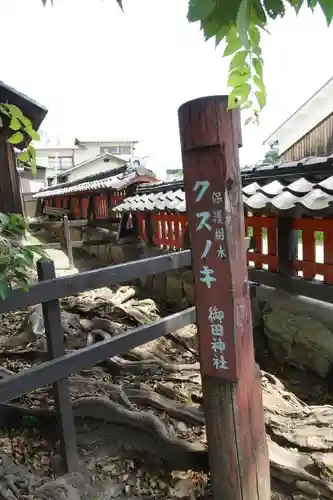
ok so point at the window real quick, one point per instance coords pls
(125, 150)
(60, 162)
(114, 150)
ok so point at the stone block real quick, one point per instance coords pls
(159, 286)
(174, 289)
(299, 339)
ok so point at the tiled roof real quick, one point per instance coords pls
(293, 188)
(116, 179)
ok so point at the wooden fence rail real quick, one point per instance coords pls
(60, 366)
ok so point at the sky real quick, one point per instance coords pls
(104, 74)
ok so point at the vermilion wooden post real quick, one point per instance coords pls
(210, 138)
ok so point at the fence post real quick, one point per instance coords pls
(69, 246)
(210, 137)
(55, 347)
(287, 243)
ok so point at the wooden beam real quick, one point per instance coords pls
(55, 349)
(237, 448)
(287, 246)
(68, 240)
(58, 223)
(10, 191)
(66, 286)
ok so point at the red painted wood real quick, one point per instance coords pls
(84, 205)
(309, 252)
(142, 225)
(314, 224)
(75, 207)
(328, 255)
(168, 229)
(210, 137)
(272, 245)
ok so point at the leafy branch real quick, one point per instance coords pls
(22, 130)
(16, 260)
(240, 24)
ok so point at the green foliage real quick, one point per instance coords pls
(22, 129)
(271, 157)
(15, 259)
(240, 24)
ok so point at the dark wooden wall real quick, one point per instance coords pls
(10, 193)
(317, 142)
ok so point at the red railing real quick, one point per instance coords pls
(101, 209)
(264, 233)
(168, 229)
(314, 255)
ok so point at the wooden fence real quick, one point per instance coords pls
(48, 292)
(231, 381)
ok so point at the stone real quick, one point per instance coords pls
(299, 339)
(189, 292)
(174, 289)
(159, 286)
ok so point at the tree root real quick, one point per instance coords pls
(171, 451)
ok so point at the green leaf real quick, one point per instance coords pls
(238, 60)
(4, 110)
(24, 156)
(257, 64)
(274, 8)
(258, 14)
(239, 76)
(254, 35)
(28, 256)
(259, 83)
(327, 8)
(5, 288)
(239, 96)
(15, 124)
(297, 4)
(4, 219)
(32, 152)
(15, 111)
(231, 49)
(243, 23)
(261, 97)
(200, 9)
(221, 34)
(312, 4)
(16, 138)
(33, 134)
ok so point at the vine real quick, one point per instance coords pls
(16, 260)
(22, 130)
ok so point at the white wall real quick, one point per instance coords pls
(43, 154)
(31, 185)
(91, 150)
(94, 167)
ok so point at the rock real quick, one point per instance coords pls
(159, 286)
(299, 339)
(184, 488)
(174, 289)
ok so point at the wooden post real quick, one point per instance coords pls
(287, 246)
(10, 190)
(69, 247)
(55, 347)
(110, 204)
(149, 228)
(210, 138)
